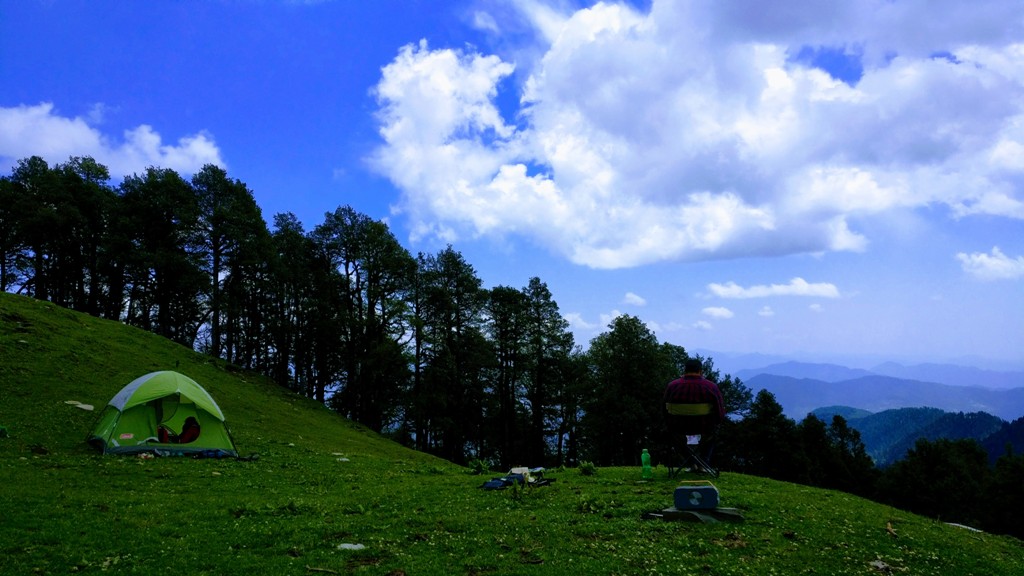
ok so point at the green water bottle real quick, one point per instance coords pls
(645, 461)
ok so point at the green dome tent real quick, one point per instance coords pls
(151, 412)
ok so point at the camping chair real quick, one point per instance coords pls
(687, 423)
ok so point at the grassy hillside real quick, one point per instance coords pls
(321, 483)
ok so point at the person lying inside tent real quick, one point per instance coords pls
(189, 433)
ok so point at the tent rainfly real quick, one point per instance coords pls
(162, 412)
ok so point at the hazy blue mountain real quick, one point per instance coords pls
(952, 375)
(732, 363)
(949, 374)
(823, 372)
(848, 413)
(800, 396)
(957, 372)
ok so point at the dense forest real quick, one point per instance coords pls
(414, 346)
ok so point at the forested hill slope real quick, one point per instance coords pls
(889, 434)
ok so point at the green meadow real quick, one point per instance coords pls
(326, 496)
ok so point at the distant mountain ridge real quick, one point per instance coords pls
(949, 374)
(800, 396)
(953, 375)
(793, 369)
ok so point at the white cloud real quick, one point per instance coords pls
(41, 131)
(994, 266)
(796, 287)
(576, 322)
(816, 308)
(672, 327)
(689, 133)
(702, 325)
(484, 21)
(606, 319)
(634, 299)
(766, 312)
(97, 114)
(718, 312)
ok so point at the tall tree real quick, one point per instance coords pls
(822, 465)
(167, 281)
(765, 443)
(533, 348)
(307, 313)
(294, 276)
(375, 274)
(571, 399)
(13, 249)
(37, 192)
(548, 346)
(453, 356)
(85, 214)
(119, 258)
(506, 312)
(214, 193)
(856, 472)
(236, 253)
(1004, 502)
(246, 295)
(628, 372)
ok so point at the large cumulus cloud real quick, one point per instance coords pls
(700, 130)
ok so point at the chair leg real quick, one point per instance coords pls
(678, 462)
(701, 464)
(687, 457)
(674, 471)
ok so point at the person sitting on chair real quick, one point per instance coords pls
(694, 404)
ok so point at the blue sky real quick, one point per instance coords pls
(826, 181)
